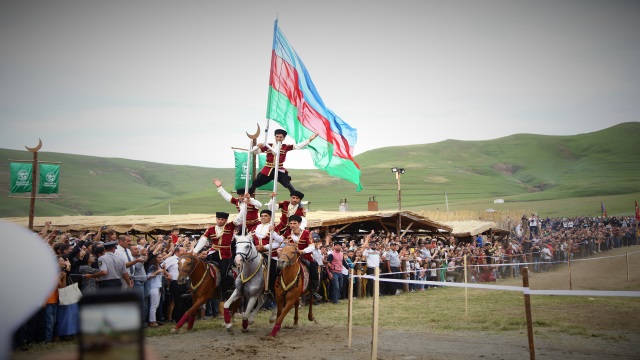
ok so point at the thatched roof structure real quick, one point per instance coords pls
(355, 221)
(461, 229)
(350, 222)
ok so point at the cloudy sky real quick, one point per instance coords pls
(180, 82)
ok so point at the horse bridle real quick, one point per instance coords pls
(289, 261)
(204, 274)
(245, 257)
(192, 266)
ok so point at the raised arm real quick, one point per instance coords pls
(225, 195)
(304, 144)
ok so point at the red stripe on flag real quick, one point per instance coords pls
(285, 81)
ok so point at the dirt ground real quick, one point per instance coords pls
(323, 342)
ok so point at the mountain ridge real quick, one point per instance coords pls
(520, 168)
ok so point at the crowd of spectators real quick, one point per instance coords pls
(415, 257)
(539, 244)
(78, 256)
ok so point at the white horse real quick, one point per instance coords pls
(249, 283)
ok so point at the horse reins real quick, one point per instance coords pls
(286, 287)
(204, 274)
(247, 260)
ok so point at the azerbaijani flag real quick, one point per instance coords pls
(295, 104)
(603, 211)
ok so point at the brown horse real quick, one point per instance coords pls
(290, 285)
(205, 284)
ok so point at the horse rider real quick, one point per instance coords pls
(261, 241)
(302, 238)
(221, 237)
(243, 199)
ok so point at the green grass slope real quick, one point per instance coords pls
(554, 175)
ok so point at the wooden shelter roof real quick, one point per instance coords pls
(350, 221)
(473, 227)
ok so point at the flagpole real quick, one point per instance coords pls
(253, 137)
(273, 46)
(274, 203)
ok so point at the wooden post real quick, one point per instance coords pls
(349, 311)
(569, 265)
(527, 310)
(627, 265)
(405, 276)
(374, 321)
(34, 181)
(511, 267)
(466, 289)
(359, 282)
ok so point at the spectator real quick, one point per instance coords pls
(67, 315)
(170, 265)
(112, 269)
(139, 276)
(371, 255)
(334, 263)
(89, 274)
(392, 264)
(156, 274)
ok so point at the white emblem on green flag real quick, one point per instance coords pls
(241, 170)
(49, 178)
(21, 180)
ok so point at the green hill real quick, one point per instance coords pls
(554, 175)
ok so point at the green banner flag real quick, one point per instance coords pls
(21, 180)
(49, 178)
(241, 170)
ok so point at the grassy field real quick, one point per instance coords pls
(551, 175)
(611, 320)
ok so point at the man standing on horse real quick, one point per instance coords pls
(243, 200)
(267, 174)
(289, 208)
(302, 238)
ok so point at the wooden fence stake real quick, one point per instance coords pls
(527, 310)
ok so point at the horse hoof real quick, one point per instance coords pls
(250, 322)
(173, 331)
(230, 330)
(245, 330)
(268, 337)
(271, 321)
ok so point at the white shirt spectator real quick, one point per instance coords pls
(373, 258)
(125, 254)
(171, 265)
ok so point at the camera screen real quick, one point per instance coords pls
(111, 331)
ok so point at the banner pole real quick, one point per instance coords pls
(34, 176)
(274, 203)
(246, 190)
(247, 175)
